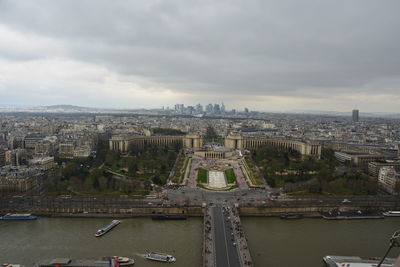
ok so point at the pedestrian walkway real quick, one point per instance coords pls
(241, 180)
(208, 239)
(244, 251)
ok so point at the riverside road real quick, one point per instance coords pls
(182, 197)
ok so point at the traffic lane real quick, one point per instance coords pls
(226, 253)
(222, 257)
(231, 239)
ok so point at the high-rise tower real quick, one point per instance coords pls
(355, 115)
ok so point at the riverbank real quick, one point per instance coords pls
(197, 211)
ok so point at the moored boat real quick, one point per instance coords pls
(349, 261)
(122, 261)
(391, 213)
(347, 215)
(102, 262)
(157, 256)
(291, 216)
(13, 217)
(160, 216)
(107, 228)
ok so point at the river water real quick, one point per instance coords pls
(27, 242)
(273, 242)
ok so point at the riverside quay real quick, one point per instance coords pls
(224, 241)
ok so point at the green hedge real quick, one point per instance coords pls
(230, 176)
(202, 176)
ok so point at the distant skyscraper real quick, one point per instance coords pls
(217, 110)
(222, 108)
(181, 108)
(246, 110)
(190, 109)
(209, 108)
(199, 108)
(355, 115)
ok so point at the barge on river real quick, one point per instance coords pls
(107, 228)
(161, 216)
(291, 216)
(102, 262)
(17, 217)
(347, 215)
(391, 213)
(354, 261)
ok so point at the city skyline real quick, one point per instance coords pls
(255, 127)
(275, 60)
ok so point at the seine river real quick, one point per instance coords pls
(273, 242)
(27, 242)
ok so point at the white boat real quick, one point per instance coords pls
(122, 261)
(157, 256)
(391, 213)
(355, 261)
(107, 228)
(102, 262)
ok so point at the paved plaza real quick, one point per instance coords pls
(216, 179)
(216, 182)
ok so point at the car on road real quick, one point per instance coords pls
(65, 196)
(344, 201)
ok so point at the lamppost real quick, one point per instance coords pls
(394, 242)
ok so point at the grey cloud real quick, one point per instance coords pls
(309, 48)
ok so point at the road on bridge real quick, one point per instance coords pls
(225, 249)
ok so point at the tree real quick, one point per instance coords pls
(71, 169)
(94, 178)
(132, 167)
(96, 183)
(157, 179)
(327, 154)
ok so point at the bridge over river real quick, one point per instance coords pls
(225, 243)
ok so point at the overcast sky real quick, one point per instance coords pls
(264, 55)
